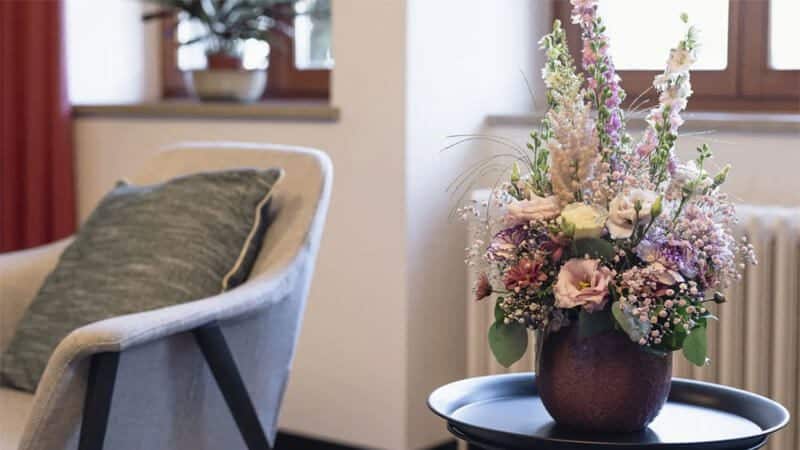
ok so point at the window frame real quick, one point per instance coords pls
(746, 84)
(284, 80)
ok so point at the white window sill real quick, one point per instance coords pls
(695, 121)
(187, 109)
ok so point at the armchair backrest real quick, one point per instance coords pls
(300, 198)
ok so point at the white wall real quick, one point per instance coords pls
(464, 58)
(108, 51)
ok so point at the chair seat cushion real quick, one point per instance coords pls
(14, 408)
(143, 248)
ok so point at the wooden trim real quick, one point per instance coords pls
(172, 85)
(317, 111)
(284, 80)
(741, 103)
(758, 78)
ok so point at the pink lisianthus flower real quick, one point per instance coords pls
(537, 208)
(583, 282)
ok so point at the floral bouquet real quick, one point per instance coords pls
(601, 231)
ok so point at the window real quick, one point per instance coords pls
(784, 54)
(299, 66)
(115, 68)
(748, 60)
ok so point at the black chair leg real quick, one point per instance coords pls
(220, 360)
(99, 392)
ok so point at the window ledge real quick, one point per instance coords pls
(187, 109)
(697, 121)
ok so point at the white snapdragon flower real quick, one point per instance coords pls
(675, 95)
(661, 81)
(680, 60)
(689, 176)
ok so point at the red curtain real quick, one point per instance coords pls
(37, 192)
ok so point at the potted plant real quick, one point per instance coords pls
(223, 28)
(608, 247)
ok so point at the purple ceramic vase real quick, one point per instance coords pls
(604, 383)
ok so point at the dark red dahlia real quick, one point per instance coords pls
(526, 273)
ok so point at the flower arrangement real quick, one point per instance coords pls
(601, 229)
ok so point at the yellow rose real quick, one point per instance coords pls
(588, 221)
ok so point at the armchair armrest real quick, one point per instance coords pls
(123, 332)
(21, 275)
(63, 381)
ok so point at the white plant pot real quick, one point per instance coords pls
(226, 84)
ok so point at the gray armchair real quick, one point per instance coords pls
(152, 385)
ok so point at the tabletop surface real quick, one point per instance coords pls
(506, 411)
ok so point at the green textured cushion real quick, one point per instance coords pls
(143, 248)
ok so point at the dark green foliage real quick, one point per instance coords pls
(590, 324)
(595, 248)
(230, 21)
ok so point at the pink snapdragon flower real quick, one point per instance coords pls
(583, 282)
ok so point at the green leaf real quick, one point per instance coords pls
(695, 346)
(674, 340)
(595, 248)
(508, 342)
(590, 324)
(499, 314)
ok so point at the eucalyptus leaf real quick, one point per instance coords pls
(595, 248)
(508, 342)
(632, 326)
(594, 323)
(695, 346)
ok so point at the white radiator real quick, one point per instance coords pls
(756, 343)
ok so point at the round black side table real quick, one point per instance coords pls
(504, 412)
